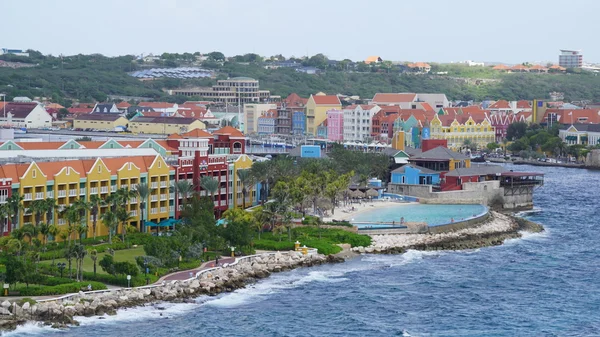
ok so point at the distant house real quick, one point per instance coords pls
(100, 121)
(412, 174)
(298, 122)
(420, 67)
(322, 130)
(25, 115)
(335, 125)
(169, 108)
(123, 106)
(316, 110)
(308, 70)
(373, 59)
(266, 122)
(105, 108)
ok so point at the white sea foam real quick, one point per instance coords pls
(155, 311)
(29, 329)
(276, 284)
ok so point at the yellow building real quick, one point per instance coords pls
(460, 130)
(106, 122)
(316, 110)
(241, 162)
(164, 125)
(69, 181)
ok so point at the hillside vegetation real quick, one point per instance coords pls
(94, 77)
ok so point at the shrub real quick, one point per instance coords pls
(59, 289)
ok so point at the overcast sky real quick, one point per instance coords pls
(511, 31)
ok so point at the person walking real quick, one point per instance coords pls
(217, 261)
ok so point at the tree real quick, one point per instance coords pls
(38, 208)
(216, 56)
(79, 252)
(183, 190)
(72, 215)
(44, 229)
(50, 208)
(107, 263)
(210, 185)
(516, 130)
(335, 185)
(14, 204)
(237, 230)
(143, 192)
(492, 146)
(124, 217)
(247, 181)
(94, 204)
(110, 220)
(94, 256)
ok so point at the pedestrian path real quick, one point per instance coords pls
(187, 274)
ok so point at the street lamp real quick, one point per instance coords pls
(61, 266)
(146, 270)
(128, 281)
(232, 251)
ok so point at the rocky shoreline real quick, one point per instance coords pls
(492, 232)
(60, 313)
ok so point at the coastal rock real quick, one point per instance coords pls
(6, 304)
(26, 306)
(4, 311)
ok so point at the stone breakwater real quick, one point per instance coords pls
(60, 313)
(493, 231)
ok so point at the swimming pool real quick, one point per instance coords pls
(433, 215)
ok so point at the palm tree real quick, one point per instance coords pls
(94, 256)
(143, 192)
(50, 207)
(261, 171)
(38, 208)
(124, 217)
(44, 229)
(54, 231)
(109, 219)
(247, 181)
(81, 231)
(3, 217)
(14, 204)
(183, 189)
(79, 253)
(30, 231)
(72, 214)
(94, 204)
(211, 185)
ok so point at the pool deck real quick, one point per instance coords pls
(346, 212)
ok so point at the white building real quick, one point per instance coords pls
(106, 108)
(252, 111)
(357, 121)
(25, 115)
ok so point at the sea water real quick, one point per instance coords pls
(544, 284)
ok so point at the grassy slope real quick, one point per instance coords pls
(128, 255)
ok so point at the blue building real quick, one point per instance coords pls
(322, 130)
(298, 123)
(415, 175)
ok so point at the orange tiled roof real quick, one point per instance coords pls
(501, 67)
(426, 106)
(383, 98)
(54, 106)
(41, 145)
(326, 100)
(123, 105)
(166, 145)
(538, 67)
(501, 104)
(523, 104)
(419, 65)
(196, 133)
(519, 67)
(231, 131)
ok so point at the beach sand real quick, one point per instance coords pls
(346, 213)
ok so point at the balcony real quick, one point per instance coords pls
(154, 198)
(125, 186)
(163, 209)
(133, 187)
(113, 188)
(171, 208)
(133, 201)
(27, 196)
(153, 210)
(50, 194)
(223, 179)
(163, 184)
(216, 204)
(223, 190)
(223, 202)
(3, 198)
(133, 213)
(164, 197)
(39, 195)
(154, 185)
(82, 191)
(171, 195)
(104, 189)
(73, 192)
(93, 190)
(62, 193)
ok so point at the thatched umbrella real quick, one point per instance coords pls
(371, 192)
(357, 194)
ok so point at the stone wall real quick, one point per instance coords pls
(593, 159)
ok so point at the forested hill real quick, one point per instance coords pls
(93, 77)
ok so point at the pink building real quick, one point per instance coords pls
(335, 125)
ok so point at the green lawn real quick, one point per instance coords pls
(128, 255)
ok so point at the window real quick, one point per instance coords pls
(33, 173)
(159, 164)
(99, 169)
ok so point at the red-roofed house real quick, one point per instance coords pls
(267, 121)
(316, 110)
(401, 99)
(500, 106)
(420, 67)
(25, 115)
(475, 128)
(571, 116)
(169, 108)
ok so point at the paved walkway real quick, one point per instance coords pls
(187, 274)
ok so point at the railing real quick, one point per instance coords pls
(223, 190)
(82, 191)
(171, 195)
(72, 192)
(50, 194)
(154, 198)
(164, 196)
(104, 189)
(3, 198)
(133, 201)
(125, 186)
(39, 195)
(223, 179)
(113, 188)
(171, 208)
(163, 209)
(163, 184)
(93, 190)
(153, 211)
(27, 196)
(133, 213)
(216, 204)
(133, 187)
(154, 185)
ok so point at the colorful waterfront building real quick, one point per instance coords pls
(335, 125)
(236, 199)
(71, 181)
(460, 129)
(316, 110)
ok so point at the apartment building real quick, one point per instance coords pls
(251, 114)
(237, 90)
(24, 115)
(570, 59)
(457, 129)
(164, 125)
(358, 121)
(68, 181)
(316, 110)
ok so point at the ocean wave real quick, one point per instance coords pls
(154, 311)
(29, 329)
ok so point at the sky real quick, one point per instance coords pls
(509, 31)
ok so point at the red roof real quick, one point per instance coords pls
(523, 104)
(574, 116)
(501, 104)
(157, 105)
(294, 100)
(196, 112)
(79, 111)
(326, 100)
(383, 98)
(123, 105)
(501, 67)
(229, 130)
(196, 133)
